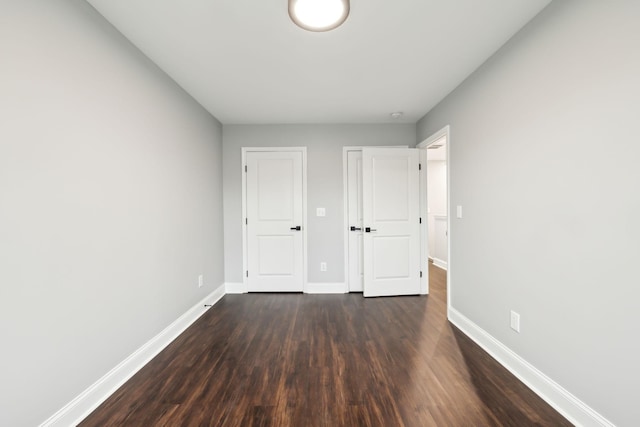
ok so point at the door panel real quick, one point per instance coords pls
(276, 255)
(275, 189)
(390, 188)
(396, 251)
(275, 249)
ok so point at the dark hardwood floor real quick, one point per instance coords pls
(325, 360)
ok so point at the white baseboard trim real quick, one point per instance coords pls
(572, 408)
(325, 288)
(440, 263)
(87, 401)
(235, 288)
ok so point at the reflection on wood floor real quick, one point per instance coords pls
(325, 360)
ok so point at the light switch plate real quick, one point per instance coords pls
(321, 212)
(515, 321)
(458, 211)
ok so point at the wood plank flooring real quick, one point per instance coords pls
(325, 360)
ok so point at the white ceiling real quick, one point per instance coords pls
(246, 62)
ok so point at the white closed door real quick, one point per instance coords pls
(274, 206)
(391, 220)
(355, 220)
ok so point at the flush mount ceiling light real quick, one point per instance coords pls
(318, 15)
(396, 115)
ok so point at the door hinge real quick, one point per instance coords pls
(245, 168)
(419, 166)
(421, 274)
(246, 221)
(247, 273)
(420, 220)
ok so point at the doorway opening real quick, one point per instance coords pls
(436, 194)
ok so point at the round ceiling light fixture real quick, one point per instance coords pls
(318, 15)
(396, 115)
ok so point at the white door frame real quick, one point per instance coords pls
(345, 205)
(445, 131)
(345, 202)
(245, 254)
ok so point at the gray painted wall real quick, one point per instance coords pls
(324, 184)
(110, 203)
(550, 225)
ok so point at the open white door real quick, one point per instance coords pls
(424, 225)
(274, 208)
(391, 212)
